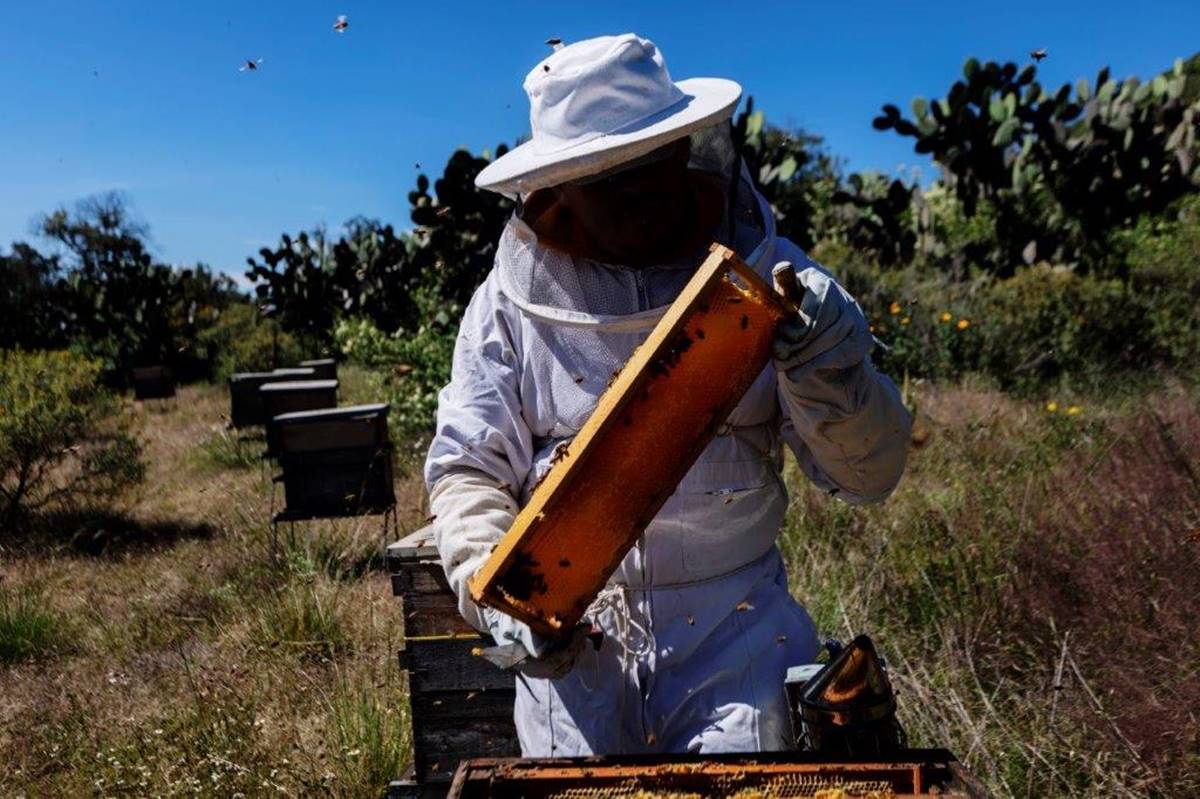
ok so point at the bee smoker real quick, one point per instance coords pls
(845, 708)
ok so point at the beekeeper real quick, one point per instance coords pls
(626, 180)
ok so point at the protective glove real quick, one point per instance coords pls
(520, 649)
(829, 332)
(845, 421)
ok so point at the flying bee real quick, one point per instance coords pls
(341, 24)
(1038, 54)
(251, 65)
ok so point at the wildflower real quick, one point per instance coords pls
(1073, 410)
(904, 322)
(963, 324)
(947, 316)
(894, 308)
(1051, 406)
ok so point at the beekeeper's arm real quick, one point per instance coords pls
(480, 456)
(844, 420)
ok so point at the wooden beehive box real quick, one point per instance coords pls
(153, 382)
(245, 403)
(336, 462)
(648, 429)
(462, 705)
(323, 368)
(293, 396)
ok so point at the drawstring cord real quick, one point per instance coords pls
(616, 599)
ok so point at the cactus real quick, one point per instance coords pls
(1104, 152)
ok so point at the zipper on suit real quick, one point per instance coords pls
(642, 299)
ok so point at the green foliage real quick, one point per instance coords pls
(29, 628)
(304, 619)
(458, 228)
(241, 339)
(409, 367)
(32, 312)
(1044, 325)
(1163, 257)
(63, 439)
(792, 170)
(369, 728)
(120, 306)
(1060, 170)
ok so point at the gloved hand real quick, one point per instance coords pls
(521, 649)
(829, 331)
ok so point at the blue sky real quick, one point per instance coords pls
(146, 97)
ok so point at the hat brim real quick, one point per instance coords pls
(523, 170)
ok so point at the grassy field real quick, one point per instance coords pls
(1034, 583)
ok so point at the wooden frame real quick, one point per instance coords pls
(662, 410)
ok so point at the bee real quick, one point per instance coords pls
(1038, 54)
(250, 65)
(341, 24)
(560, 453)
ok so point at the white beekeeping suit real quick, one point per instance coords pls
(699, 625)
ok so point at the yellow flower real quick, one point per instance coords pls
(1074, 409)
(905, 321)
(963, 324)
(1051, 406)
(894, 308)
(947, 316)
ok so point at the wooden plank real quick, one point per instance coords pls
(420, 577)
(417, 545)
(647, 430)
(449, 665)
(463, 707)
(444, 745)
(433, 615)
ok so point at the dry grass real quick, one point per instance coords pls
(195, 662)
(1034, 587)
(1033, 584)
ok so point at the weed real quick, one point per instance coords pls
(303, 617)
(29, 627)
(368, 725)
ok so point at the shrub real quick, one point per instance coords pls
(63, 439)
(410, 367)
(240, 340)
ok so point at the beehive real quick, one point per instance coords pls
(646, 432)
(336, 462)
(153, 382)
(245, 403)
(293, 396)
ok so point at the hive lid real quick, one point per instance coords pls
(299, 385)
(334, 414)
(278, 374)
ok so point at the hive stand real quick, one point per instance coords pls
(462, 705)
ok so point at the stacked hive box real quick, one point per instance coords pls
(462, 705)
(245, 401)
(293, 396)
(336, 462)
